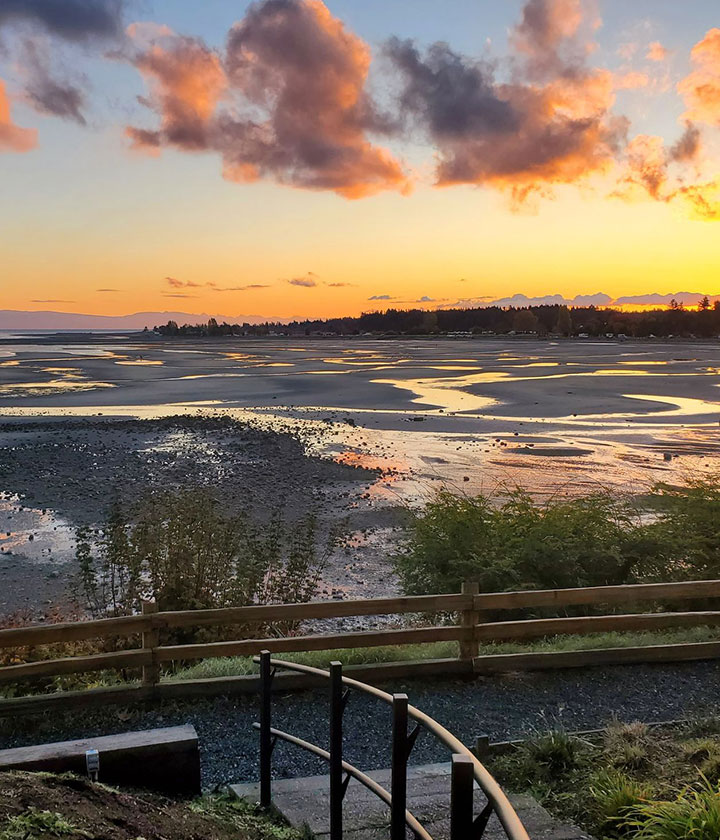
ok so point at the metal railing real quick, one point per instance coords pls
(466, 769)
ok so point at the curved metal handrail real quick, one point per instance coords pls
(509, 819)
(351, 770)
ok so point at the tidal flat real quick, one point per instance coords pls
(356, 428)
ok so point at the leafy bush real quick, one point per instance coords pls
(689, 523)
(692, 815)
(179, 549)
(521, 544)
(515, 542)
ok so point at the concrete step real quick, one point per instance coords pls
(306, 801)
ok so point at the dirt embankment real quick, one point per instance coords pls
(38, 805)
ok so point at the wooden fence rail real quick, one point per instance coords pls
(476, 624)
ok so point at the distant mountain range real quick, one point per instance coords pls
(18, 319)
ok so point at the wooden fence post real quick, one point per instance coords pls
(150, 641)
(469, 648)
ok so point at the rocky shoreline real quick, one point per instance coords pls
(60, 473)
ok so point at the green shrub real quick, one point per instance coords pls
(179, 549)
(710, 768)
(511, 541)
(519, 543)
(693, 815)
(35, 824)
(555, 752)
(613, 795)
(688, 524)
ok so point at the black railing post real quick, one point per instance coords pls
(398, 787)
(461, 797)
(266, 744)
(336, 751)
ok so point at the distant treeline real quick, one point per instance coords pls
(701, 322)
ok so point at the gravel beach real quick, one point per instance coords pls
(64, 473)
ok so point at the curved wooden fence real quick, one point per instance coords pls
(477, 622)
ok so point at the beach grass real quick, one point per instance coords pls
(243, 665)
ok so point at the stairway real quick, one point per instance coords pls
(306, 801)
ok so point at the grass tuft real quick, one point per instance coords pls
(39, 825)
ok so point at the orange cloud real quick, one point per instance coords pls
(307, 73)
(298, 112)
(186, 80)
(12, 137)
(551, 124)
(631, 80)
(657, 52)
(647, 162)
(701, 88)
(703, 200)
(649, 170)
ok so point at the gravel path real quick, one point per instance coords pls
(502, 707)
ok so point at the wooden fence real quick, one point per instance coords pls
(477, 623)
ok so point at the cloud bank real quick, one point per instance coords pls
(597, 299)
(287, 99)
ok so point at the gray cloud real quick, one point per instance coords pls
(550, 124)
(688, 146)
(455, 96)
(48, 94)
(307, 282)
(380, 297)
(241, 288)
(72, 19)
(182, 284)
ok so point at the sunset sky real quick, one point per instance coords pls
(293, 158)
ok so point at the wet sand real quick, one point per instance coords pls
(553, 416)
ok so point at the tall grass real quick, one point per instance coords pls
(242, 665)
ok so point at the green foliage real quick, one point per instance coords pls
(626, 745)
(664, 796)
(613, 796)
(692, 815)
(232, 666)
(689, 524)
(555, 752)
(181, 550)
(519, 543)
(251, 822)
(38, 825)
(540, 761)
(515, 542)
